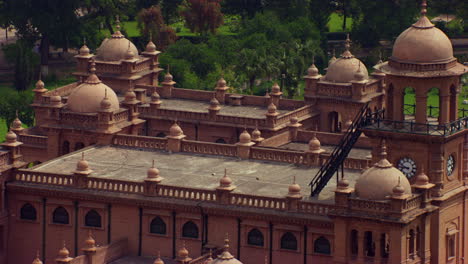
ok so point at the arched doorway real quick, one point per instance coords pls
(334, 121)
(65, 147)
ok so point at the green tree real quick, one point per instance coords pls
(25, 62)
(202, 16)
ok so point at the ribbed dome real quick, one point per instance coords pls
(115, 48)
(344, 69)
(422, 43)
(378, 182)
(87, 97)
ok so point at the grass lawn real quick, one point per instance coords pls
(336, 23)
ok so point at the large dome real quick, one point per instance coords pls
(422, 43)
(377, 182)
(87, 97)
(115, 48)
(343, 70)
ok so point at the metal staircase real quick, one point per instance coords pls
(341, 151)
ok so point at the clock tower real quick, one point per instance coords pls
(434, 143)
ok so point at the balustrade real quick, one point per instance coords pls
(258, 201)
(290, 156)
(209, 148)
(186, 193)
(140, 141)
(115, 185)
(44, 178)
(33, 140)
(4, 158)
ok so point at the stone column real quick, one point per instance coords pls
(398, 101)
(444, 109)
(421, 107)
(465, 160)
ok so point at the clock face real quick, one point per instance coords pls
(407, 166)
(450, 165)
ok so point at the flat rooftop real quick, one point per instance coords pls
(141, 260)
(357, 153)
(193, 170)
(250, 111)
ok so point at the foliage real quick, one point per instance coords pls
(371, 21)
(202, 16)
(151, 23)
(25, 61)
(17, 101)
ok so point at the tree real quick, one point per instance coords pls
(151, 23)
(25, 62)
(245, 8)
(202, 16)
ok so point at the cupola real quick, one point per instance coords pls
(116, 48)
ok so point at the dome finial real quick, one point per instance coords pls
(92, 68)
(117, 22)
(226, 242)
(424, 8)
(348, 42)
(383, 149)
(117, 33)
(92, 78)
(37, 260)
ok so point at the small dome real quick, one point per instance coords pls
(155, 97)
(226, 257)
(378, 182)
(158, 260)
(294, 120)
(422, 43)
(90, 243)
(359, 75)
(168, 77)
(183, 253)
(39, 84)
(256, 134)
(130, 55)
(153, 172)
(37, 260)
(130, 95)
(221, 82)
(294, 189)
(84, 50)
(82, 164)
(312, 70)
(214, 102)
(225, 181)
(64, 253)
(106, 103)
(245, 137)
(11, 137)
(56, 100)
(314, 143)
(343, 70)
(422, 179)
(398, 190)
(343, 183)
(17, 123)
(115, 49)
(150, 47)
(275, 88)
(175, 130)
(271, 108)
(87, 97)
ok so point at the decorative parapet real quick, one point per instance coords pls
(209, 148)
(33, 140)
(289, 156)
(44, 178)
(5, 159)
(140, 141)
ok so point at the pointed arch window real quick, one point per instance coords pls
(93, 219)
(28, 212)
(157, 226)
(289, 241)
(60, 216)
(190, 230)
(255, 238)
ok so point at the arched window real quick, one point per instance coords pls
(79, 145)
(158, 226)
(190, 230)
(221, 141)
(161, 135)
(28, 212)
(353, 241)
(289, 241)
(255, 237)
(93, 219)
(322, 246)
(60, 216)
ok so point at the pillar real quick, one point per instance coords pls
(444, 108)
(398, 101)
(421, 106)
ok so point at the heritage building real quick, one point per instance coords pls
(130, 170)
